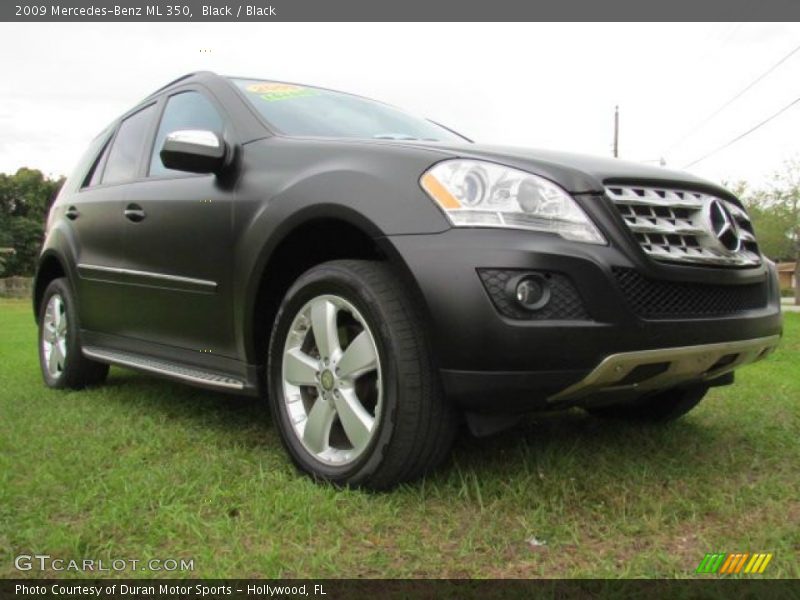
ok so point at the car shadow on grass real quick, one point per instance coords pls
(223, 412)
(573, 445)
(568, 439)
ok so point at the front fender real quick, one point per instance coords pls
(288, 182)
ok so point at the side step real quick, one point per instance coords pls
(164, 368)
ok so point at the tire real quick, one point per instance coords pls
(380, 418)
(61, 360)
(660, 407)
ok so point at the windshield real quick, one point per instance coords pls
(309, 111)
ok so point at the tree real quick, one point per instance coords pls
(25, 199)
(775, 212)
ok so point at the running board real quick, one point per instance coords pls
(164, 368)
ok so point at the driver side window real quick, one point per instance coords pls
(186, 110)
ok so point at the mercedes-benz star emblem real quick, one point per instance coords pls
(724, 226)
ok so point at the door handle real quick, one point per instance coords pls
(134, 212)
(72, 213)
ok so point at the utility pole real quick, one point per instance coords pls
(616, 131)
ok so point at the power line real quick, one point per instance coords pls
(746, 133)
(736, 96)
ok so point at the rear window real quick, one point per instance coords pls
(309, 111)
(93, 176)
(127, 147)
(81, 175)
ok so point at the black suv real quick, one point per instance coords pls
(378, 276)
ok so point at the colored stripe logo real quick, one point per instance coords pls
(737, 562)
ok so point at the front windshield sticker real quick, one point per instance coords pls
(279, 91)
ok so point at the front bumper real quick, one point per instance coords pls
(492, 362)
(645, 370)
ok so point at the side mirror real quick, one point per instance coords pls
(193, 150)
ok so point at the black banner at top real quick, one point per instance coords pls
(397, 10)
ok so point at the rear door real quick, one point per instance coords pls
(178, 240)
(96, 213)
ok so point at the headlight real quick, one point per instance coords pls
(474, 193)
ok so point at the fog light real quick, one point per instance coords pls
(531, 292)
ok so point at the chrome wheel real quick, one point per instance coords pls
(331, 378)
(54, 336)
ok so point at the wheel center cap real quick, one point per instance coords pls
(327, 380)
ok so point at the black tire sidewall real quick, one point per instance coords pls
(339, 281)
(62, 288)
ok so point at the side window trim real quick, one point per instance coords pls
(98, 164)
(102, 160)
(148, 136)
(163, 100)
(144, 155)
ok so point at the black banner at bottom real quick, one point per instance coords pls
(334, 589)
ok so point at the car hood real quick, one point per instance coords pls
(577, 173)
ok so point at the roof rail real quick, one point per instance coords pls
(179, 79)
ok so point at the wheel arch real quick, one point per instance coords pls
(337, 232)
(51, 266)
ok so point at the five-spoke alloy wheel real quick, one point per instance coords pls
(54, 336)
(352, 387)
(332, 384)
(60, 357)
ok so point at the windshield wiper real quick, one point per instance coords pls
(394, 136)
(402, 136)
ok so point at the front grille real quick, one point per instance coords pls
(564, 304)
(686, 227)
(652, 299)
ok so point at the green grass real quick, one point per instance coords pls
(144, 468)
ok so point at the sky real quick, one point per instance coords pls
(536, 85)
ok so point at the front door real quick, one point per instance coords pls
(178, 243)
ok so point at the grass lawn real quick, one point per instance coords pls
(145, 468)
